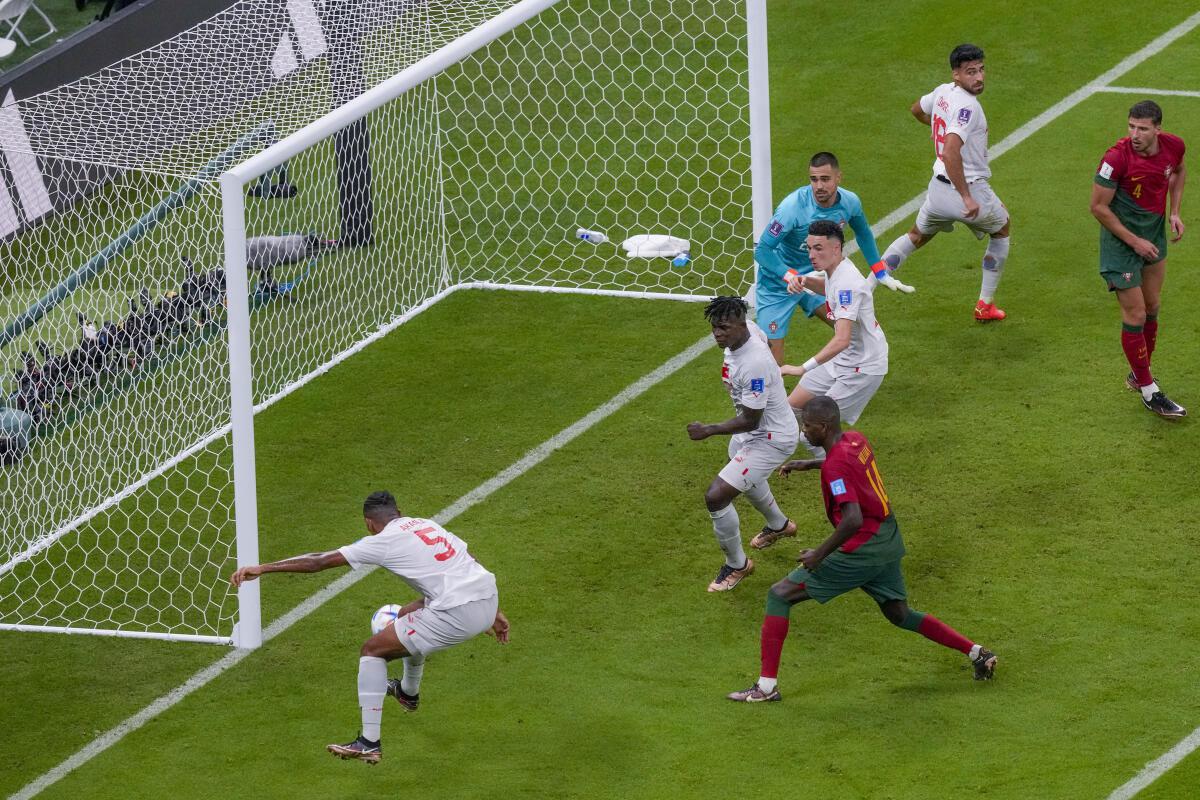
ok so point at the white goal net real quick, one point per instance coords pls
(377, 155)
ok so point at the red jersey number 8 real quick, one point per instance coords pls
(939, 136)
(423, 535)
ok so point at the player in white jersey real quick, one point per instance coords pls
(959, 189)
(459, 600)
(764, 435)
(849, 369)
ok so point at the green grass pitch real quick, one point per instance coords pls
(1046, 514)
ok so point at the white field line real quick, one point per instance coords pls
(1152, 771)
(284, 622)
(319, 598)
(1145, 91)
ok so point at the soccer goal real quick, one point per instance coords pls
(193, 234)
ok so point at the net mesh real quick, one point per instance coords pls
(623, 117)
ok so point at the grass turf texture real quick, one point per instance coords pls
(1045, 512)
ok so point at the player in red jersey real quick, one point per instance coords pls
(1129, 198)
(863, 552)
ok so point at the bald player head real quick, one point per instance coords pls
(822, 422)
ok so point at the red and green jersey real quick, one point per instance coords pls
(1141, 181)
(850, 475)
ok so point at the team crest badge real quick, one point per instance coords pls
(774, 326)
(1127, 276)
(964, 116)
(1167, 172)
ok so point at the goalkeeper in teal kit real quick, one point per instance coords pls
(782, 252)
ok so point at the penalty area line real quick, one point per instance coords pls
(1156, 768)
(1145, 91)
(472, 498)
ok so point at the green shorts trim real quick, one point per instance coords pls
(842, 572)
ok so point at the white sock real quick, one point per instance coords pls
(1148, 390)
(974, 654)
(897, 251)
(993, 267)
(767, 684)
(817, 452)
(372, 687)
(729, 535)
(761, 498)
(414, 666)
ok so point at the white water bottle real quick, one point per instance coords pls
(595, 237)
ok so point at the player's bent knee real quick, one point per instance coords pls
(896, 612)
(385, 644)
(719, 495)
(1134, 316)
(785, 591)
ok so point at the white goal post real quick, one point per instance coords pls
(468, 142)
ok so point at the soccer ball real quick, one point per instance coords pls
(384, 617)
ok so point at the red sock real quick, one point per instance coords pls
(935, 630)
(774, 631)
(1150, 331)
(1133, 342)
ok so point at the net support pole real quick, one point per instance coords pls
(264, 134)
(760, 119)
(247, 631)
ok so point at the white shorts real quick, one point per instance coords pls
(428, 630)
(943, 207)
(752, 459)
(850, 390)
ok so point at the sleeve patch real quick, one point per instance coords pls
(757, 384)
(845, 297)
(1106, 170)
(837, 487)
(775, 228)
(964, 116)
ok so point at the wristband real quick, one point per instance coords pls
(811, 364)
(880, 269)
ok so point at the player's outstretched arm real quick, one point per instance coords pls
(499, 628)
(746, 421)
(309, 562)
(809, 281)
(799, 465)
(851, 521)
